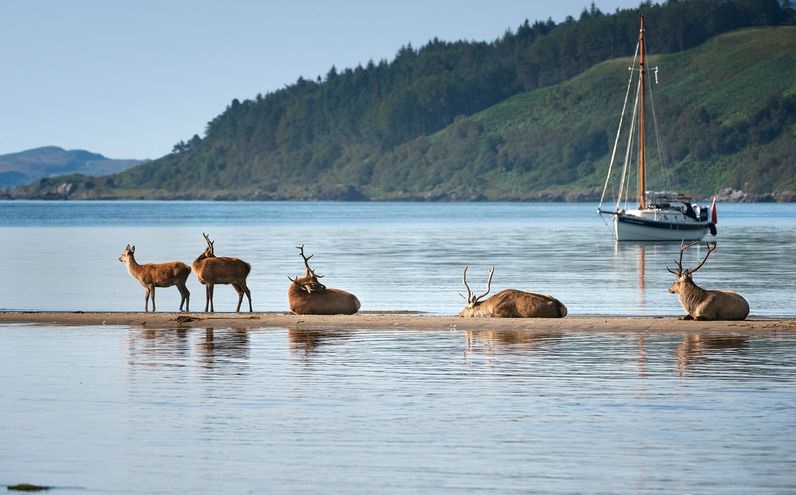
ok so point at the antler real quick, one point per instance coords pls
(469, 292)
(209, 244)
(306, 259)
(488, 284)
(471, 299)
(679, 262)
(711, 248)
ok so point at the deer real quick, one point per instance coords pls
(153, 275)
(308, 296)
(510, 303)
(211, 270)
(701, 304)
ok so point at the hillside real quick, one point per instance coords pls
(518, 118)
(30, 165)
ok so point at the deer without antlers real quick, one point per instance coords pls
(211, 269)
(158, 275)
(510, 303)
(701, 304)
(308, 296)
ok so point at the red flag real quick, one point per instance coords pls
(713, 216)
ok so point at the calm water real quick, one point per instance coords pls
(133, 410)
(394, 256)
(283, 410)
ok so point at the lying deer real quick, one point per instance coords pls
(701, 304)
(511, 303)
(308, 296)
(211, 269)
(158, 275)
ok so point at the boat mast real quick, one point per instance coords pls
(642, 186)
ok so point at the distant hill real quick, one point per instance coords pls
(31, 165)
(530, 115)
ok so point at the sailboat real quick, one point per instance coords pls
(658, 215)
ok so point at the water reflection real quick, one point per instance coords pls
(176, 347)
(308, 340)
(493, 342)
(329, 411)
(151, 347)
(698, 350)
(222, 347)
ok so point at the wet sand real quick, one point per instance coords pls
(399, 320)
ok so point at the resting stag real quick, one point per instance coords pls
(308, 296)
(510, 303)
(701, 304)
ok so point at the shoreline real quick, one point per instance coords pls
(407, 320)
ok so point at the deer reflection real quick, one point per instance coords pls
(225, 346)
(151, 347)
(308, 340)
(697, 348)
(494, 342)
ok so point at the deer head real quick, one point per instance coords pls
(309, 282)
(684, 275)
(473, 300)
(128, 253)
(209, 252)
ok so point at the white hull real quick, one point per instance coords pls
(645, 225)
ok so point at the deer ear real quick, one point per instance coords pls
(132, 249)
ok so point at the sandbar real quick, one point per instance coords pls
(374, 320)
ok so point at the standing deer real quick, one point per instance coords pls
(211, 269)
(511, 303)
(308, 296)
(701, 304)
(158, 275)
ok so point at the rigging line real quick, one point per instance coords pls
(619, 129)
(625, 176)
(664, 169)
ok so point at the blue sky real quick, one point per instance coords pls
(130, 79)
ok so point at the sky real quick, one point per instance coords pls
(130, 79)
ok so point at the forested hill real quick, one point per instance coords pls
(517, 118)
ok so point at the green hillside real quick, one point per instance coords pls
(726, 112)
(529, 116)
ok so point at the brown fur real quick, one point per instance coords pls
(511, 303)
(701, 304)
(158, 275)
(308, 296)
(211, 269)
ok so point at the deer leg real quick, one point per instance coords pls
(153, 298)
(239, 290)
(146, 301)
(249, 296)
(186, 295)
(209, 298)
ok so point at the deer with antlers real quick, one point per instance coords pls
(510, 303)
(701, 304)
(211, 270)
(153, 275)
(308, 296)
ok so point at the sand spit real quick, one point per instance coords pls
(399, 320)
